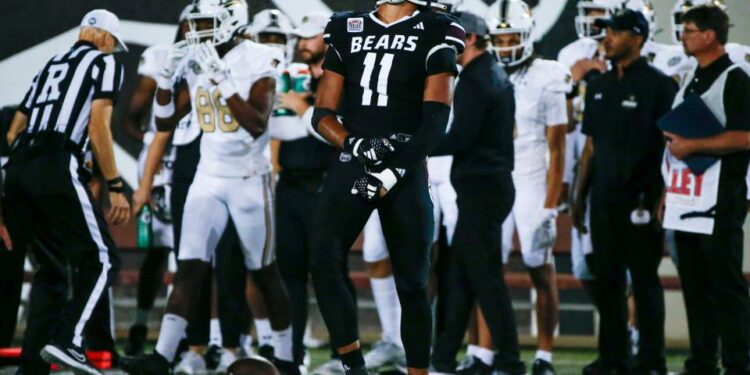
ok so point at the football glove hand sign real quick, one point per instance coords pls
(374, 185)
(369, 151)
(546, 233)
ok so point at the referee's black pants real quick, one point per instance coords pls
(11, 282)
(47, 203)
(716, 298)
(621, 246)
(295, 198)
(474, 273)
(406, 217)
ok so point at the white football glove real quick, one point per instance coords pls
(368, 186)
(216, 69)
(545, 234)
(167, 74)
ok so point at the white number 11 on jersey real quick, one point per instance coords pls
(382, 88)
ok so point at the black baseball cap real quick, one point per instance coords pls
(625, 19)
(473, 24)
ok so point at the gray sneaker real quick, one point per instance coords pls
(332, 367)
(384, 354)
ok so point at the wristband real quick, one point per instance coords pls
(163, 83)
(164, 111)
(116, 181)
(227, 88)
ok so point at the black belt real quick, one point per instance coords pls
(48, 140)
(31, 145)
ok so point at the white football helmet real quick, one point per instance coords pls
(682, 6)
(512, 17)
(273, 21)
(423, 3)
(646, 7)
(585, 23)
(228, 17)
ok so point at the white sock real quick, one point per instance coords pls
(172, 331)
(471, 350)
(263, 331)
(485, 355)
(246, 341)
(215, 333)
(282, 344)
(544, 355)
(389, 308)
(141, 317)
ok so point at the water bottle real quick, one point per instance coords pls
(285, 84)
(144, 228)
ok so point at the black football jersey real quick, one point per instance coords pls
(385, 66)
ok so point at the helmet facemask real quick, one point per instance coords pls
(515, 54)
(421, 3)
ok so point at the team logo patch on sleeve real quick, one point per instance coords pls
(355, 25)
(674, 61)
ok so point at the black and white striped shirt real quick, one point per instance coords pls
(59, 99)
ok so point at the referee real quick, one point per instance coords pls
(68, 106)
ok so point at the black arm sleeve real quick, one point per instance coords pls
(434, 121)
(442, 59)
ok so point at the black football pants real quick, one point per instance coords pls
(716, 299)
(295, 197)
(51, 209)
(473, 272)
(620, 246)
(406, 217)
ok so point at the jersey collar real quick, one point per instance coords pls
(387, 25)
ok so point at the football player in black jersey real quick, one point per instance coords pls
(396, 65)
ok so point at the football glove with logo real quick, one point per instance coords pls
(545, 234)
(369, 151)
(369, 186)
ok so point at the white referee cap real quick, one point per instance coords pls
(107, 21)
(312, 25)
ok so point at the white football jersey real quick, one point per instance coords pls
(652, 49)
(739, 54)
(540, 90)
(673, 62)
(580, 49)
(228, 150)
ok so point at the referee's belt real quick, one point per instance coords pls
(48, 141)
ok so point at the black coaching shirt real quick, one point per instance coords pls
(60, 96)
(732, 185)
(385, 66)
(306, 154)
(620, 116)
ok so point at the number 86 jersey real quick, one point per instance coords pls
(227, 149)
(385, 66)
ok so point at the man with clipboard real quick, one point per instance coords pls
(705, 192)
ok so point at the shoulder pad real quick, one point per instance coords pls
(554, 76)
(584, 48)
(447, 29)
(152, 60)
(739, 54)
(253, 59)
(672, 61)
